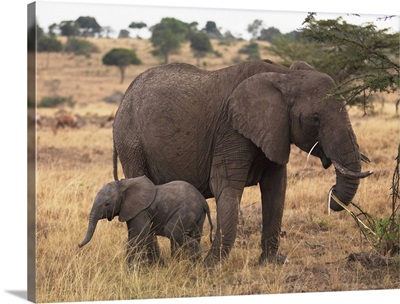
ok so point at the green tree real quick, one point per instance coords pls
(212, 30)
(200, 45)
(138, 26)
(69, 28)
(52, 29)
(255, 28)
(121, 58)
(269, 34)
(364, 59)
(251, 50)
(167, 36)
(80, 47)
(88, 26)
(49, 44)
(289, 49)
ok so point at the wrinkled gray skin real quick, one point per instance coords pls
(175, 210)
(227, 129)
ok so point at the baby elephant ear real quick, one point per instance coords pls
(138, 194)
(258, 110)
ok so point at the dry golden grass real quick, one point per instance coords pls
(74, 164)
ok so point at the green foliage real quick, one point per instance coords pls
(269, 34)
(167, 36)
(362, 59)
(384, 233)
(251, 50)
(54, 101)
(227, 39)
(69, 28)
(49, 44)
(80, 47)
(200, 45)
(88, 25)
(114, 98)
(255, 28)
(290, 50)
(121, 58)
(212, 30)
(137, 25)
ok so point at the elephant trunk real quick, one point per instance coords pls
(344, 189)
(348, 173)
(93, 219)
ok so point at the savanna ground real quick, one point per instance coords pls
(74, 163)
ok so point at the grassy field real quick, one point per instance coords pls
(74, 163)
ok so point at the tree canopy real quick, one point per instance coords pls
(69, 28)
(121, 58)
(200, 45)
(167, 36)
(88, 25)
(362, 59)
(212, 30)
(365, 59)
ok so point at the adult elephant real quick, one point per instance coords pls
(227, 129)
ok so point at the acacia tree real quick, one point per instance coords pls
(364, 59)
(367, 61)
(88, 25)
(121, 58)
(49, 44)
(138, 26)
(200, 45)
(167, 36)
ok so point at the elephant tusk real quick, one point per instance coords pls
(351, 174)
(365, 159)
(308, 156)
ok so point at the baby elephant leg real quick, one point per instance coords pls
(141, 241)
(189, 244)
(193, 247)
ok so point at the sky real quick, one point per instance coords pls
(236, 20)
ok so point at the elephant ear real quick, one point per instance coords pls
(258, 110)
(137, 194)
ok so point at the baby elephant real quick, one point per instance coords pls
(175, 210)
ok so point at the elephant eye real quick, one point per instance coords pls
(107, 204)
(315, 120)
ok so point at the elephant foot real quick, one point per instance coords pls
(211, 260)
(278, 259)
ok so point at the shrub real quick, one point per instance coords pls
(80, 47)
(54, 101)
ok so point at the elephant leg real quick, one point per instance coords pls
(153, 250)
(133, 162)
(273, 189)
(141, 240)
(227, 221)
(193, 247)
(137, 239)
(189, 244)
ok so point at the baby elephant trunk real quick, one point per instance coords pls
(90, 231)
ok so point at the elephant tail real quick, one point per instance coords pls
(207, 210)
(115, 163)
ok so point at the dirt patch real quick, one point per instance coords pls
(72, 158)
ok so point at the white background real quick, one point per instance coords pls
(13, 86)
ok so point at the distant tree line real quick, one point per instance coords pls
(361, 59)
